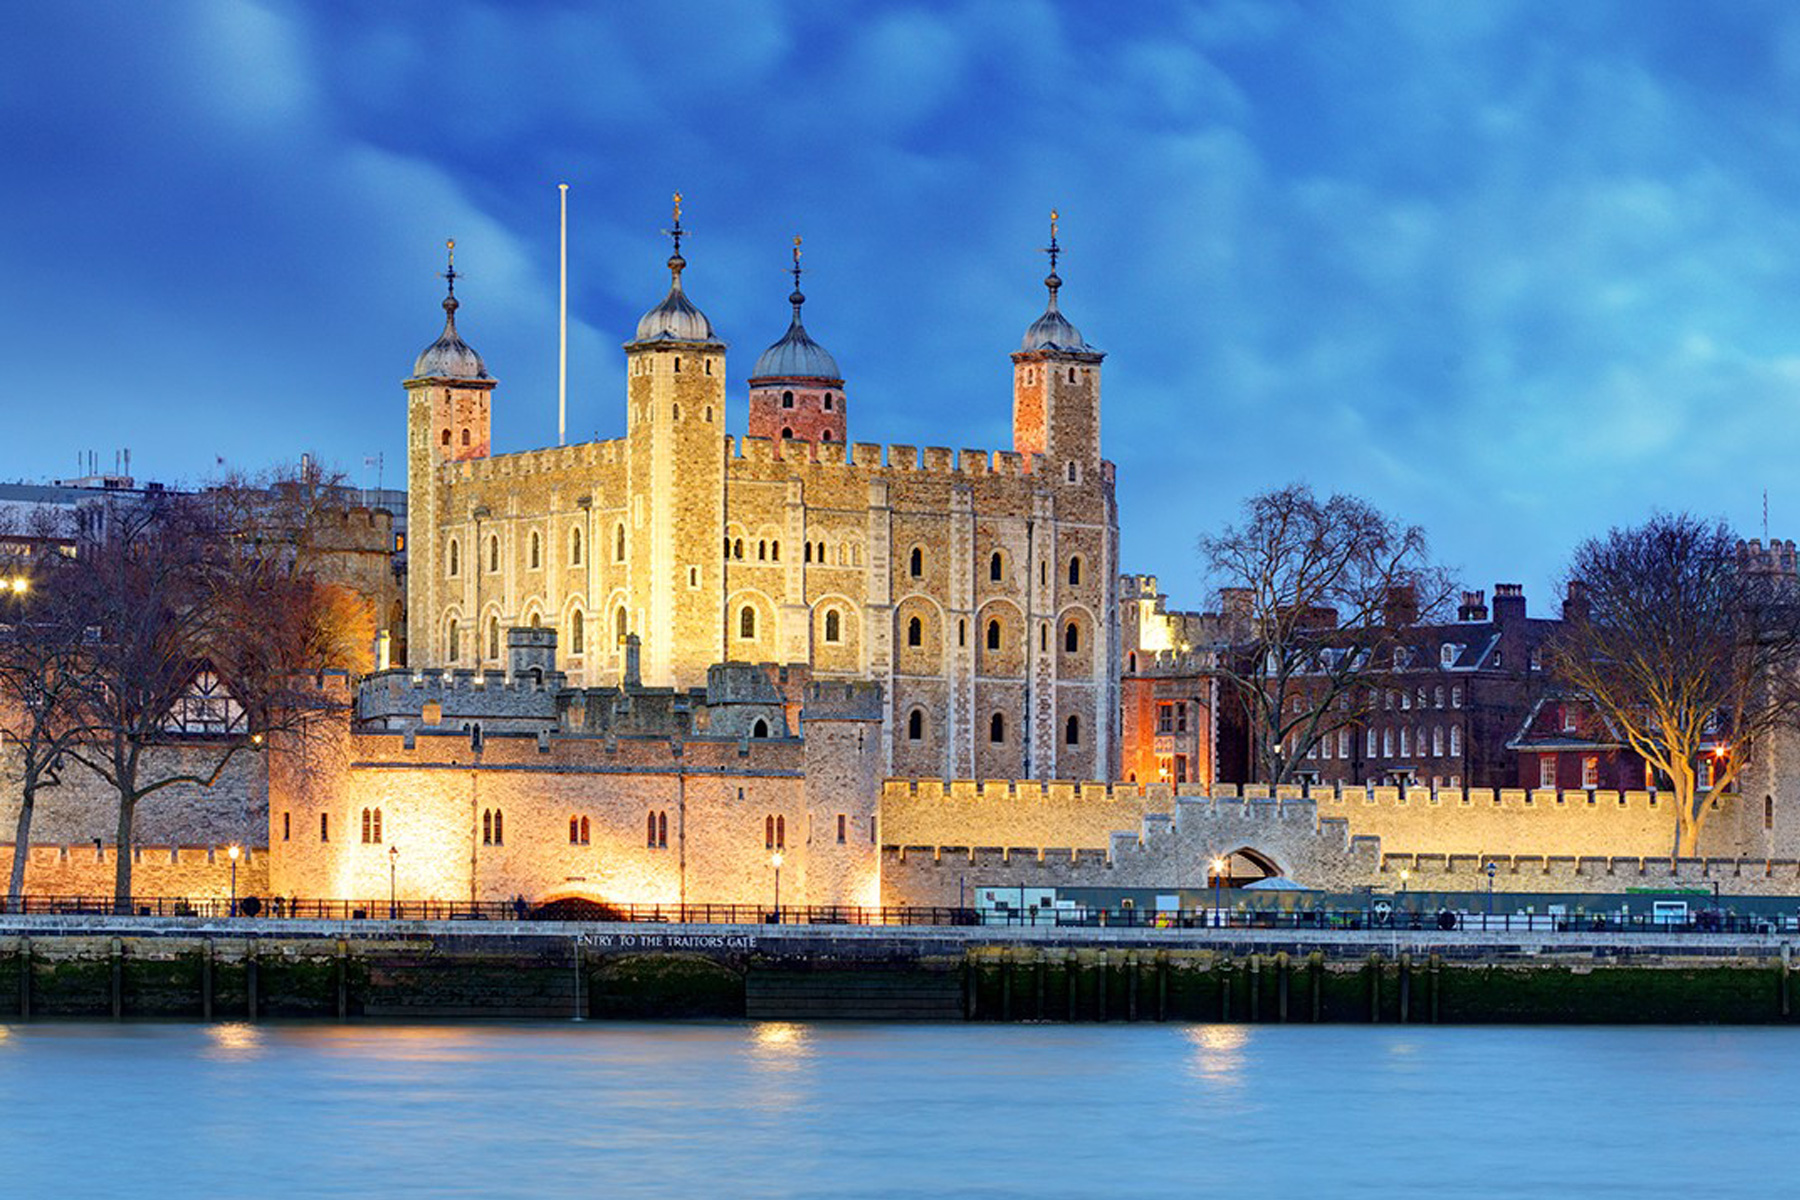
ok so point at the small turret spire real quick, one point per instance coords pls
(1053, 281)
(676, 262)
(450, 305)
(797, 299)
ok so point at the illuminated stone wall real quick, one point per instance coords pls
(191, 872)
(682, 530)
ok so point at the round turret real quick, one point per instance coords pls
(796, 355)
(449, 357)
(796, 390)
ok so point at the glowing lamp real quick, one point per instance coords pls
(234, 852)
(775, 860)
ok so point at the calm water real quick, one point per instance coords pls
(751, 1110)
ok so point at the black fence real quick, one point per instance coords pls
(1373, 917)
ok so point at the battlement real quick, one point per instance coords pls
(1585, 873)
(1174, 662)
(897, 458)
(835, 700)
(550, 459)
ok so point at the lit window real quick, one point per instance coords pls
(1547, 771)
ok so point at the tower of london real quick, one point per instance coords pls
(978, 588)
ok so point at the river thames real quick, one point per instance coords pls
(751, 1109)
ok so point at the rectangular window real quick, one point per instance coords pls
(1706, 772)
(1165, 718)
(843, 830)
(324, 827)
(1547, 770)
(1180, 716)
(287, 825)
(1343, 743)
(1568, 718)
(1181, 768)
(1590, 771)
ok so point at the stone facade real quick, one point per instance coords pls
(978, 588)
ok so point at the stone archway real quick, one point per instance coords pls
(1243, 866)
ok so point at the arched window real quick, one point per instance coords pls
(455, 642)
(915, 725)
(780, 833)
(993, 635)
(825, 435)
(534, 550)
(575, 546)
(737, 549)
(574, 831)
(915, 632)
(487, 827)
(832, 627)
(378, 827)
(1072, 731)
(775, 550)
(534, 620)
(1071, 472)
(1075, 571)
(996, 567)
(577, 636)
(787, 434)
(662, 829)
(366, 826)
(787, 399)
(1131, 662)
(1071, 638)
(455, 563)
(493, 637)
(499, 828)
(446, 437)
(747, 622)
(493, 553)
(808, 555)
(619, 542)
(760, 729)
(916, 563)
(997, 728)
(827, 401)
(619, 624)
(1455, 739)
(768, 833)
(762, 551)
(650, 830)
(465, 437)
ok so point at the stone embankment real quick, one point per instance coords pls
(97, 966)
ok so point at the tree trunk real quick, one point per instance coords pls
(122, 848)
(21, 844)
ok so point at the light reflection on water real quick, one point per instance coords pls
(770, 1109)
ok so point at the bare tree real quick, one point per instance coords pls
(42, 642)
(205, 626)
(1323, 589)
(1688, 648)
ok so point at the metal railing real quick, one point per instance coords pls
(1446, 920)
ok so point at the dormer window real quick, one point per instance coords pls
(1447, 655)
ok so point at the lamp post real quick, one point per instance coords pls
(234, 852)
(775, 861)
(1218, 870)
(393, 858)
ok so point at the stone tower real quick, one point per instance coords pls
(448, 400)
(842, 723)
(796, 391)
(674, 529)
(1056, 389)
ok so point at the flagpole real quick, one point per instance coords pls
(562, 347)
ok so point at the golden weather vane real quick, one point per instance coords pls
(678, 208)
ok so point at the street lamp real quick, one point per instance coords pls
(393, 857)
(1218, 870)
(234, 852)
(775, 861)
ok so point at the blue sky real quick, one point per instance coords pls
(1516, 272)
